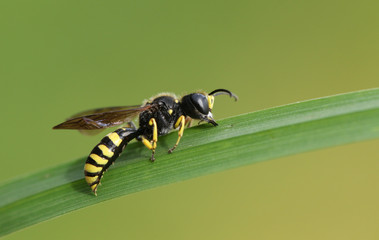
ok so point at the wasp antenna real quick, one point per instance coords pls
(223, 92)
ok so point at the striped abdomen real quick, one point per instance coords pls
(105, 153)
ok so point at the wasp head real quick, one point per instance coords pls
(199, 105)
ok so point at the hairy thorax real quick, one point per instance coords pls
(166, 112)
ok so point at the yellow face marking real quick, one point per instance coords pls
(98, 159)
(91, 168)
(115, 138)
(211, 100)
(170, 111)
(90, 180)
(176, 100)
(106, 152)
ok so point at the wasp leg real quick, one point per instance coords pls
(152, 145)
(180, 122)
(189, 121)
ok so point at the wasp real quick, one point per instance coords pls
(157, 117)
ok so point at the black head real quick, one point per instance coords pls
(199, 105)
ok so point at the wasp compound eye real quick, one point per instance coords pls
(200, 102)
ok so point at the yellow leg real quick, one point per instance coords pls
(181, 122)
(152, 145)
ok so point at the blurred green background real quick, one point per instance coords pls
(61, 57)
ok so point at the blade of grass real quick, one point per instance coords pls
(236, 142)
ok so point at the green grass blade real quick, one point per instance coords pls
(204, 149)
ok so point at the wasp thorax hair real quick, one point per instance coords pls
(157, 117)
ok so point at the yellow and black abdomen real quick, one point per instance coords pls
(105, 153)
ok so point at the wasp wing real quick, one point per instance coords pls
(102, 119)
(102, 110)
(97, 131)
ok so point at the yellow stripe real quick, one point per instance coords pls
(91, 168)
(90, 180)
(99, 160)
(93, 187)
(115, 138)
(105, 150)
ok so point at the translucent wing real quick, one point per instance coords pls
(102, 118)
(97, 131)
(102, 110)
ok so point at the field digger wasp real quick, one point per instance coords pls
(157, 116)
